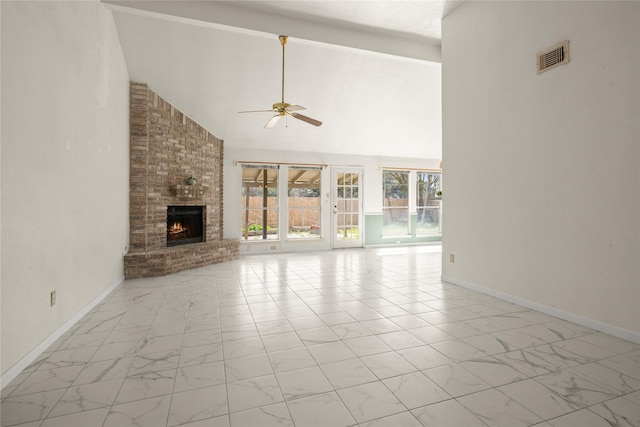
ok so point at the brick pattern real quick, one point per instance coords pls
(179, 258)
(166, 148)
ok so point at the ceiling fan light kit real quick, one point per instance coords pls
(284, 108)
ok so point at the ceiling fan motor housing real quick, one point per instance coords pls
(280, 106)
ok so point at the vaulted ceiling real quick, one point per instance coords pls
(369, 70)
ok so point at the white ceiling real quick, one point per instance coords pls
(369, 70)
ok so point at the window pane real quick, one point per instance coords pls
(304, 203)
(259, 213)
(395, 211)
(428, 220)
(427, 186)
(395, 221)
(428, 202)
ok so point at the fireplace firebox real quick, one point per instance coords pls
(184, 225)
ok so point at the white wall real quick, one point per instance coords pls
(371, 187)
(65, 166)
(542, 172)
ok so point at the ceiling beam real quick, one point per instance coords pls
(298, 176)
(305, 185)
(253, 19)
(270, 184)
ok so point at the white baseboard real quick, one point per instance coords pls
(607, 328)
(27, 360)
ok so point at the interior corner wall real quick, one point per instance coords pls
(541, 171)
(65, 166)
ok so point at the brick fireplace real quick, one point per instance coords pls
(167, 148)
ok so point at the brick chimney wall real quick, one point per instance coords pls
(166, 148)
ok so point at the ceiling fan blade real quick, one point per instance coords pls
(306, 119)
(295, 108)
(272, 122)
(257, 111)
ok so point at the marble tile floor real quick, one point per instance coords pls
(363, 337)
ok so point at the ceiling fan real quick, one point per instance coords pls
(283, 108)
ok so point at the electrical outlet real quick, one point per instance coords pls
(53, 298)
(452, 258)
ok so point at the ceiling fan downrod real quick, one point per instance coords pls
(283, 42)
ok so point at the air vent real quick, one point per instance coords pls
(554, 57)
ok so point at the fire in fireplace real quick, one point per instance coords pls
(184, 225)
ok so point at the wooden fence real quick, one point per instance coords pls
(303, 211)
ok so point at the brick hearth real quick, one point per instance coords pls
(166, 148)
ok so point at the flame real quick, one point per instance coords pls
(176, 228)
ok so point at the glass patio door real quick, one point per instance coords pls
(347, 208)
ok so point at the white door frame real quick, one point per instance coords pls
(343, 237)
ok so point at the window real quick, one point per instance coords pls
(428, 203)
(304, 202)
(395, 206)
(259, 202)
